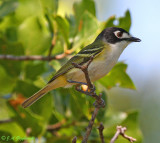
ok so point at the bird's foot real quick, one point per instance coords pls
(89, 92)
(77, 82)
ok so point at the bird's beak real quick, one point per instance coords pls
(134, 39)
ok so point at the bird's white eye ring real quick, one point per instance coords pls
(119, 34)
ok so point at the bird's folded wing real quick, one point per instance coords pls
(82, 57)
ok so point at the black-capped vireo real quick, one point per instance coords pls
(105, 50)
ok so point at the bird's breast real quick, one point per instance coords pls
(99, 67)
(104, 62)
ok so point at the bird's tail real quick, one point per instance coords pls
(59, 82)
(35, 97)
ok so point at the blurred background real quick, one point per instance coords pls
(142, 60)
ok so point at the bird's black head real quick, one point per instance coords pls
(113, 35)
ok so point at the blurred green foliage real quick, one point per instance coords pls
(27, 27)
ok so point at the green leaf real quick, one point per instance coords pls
(50, 5)
(28, 8)
(25, 88)
(49, 19)
(83, 6)
(89, 25)
(39, 108)
(27, 119)
(12, 129)
(11, 34)
(79, 100)
(7, 6)
(43, 107)
(34, 35)
(7, 82)
(87, 31)
(58, 48)
(63, 26)
(33, 70)
(72, 29)
(4, 107)
(109, 22)
(9, 22)
(123, 22)
(118, 77)
(12, 68)
(61, 100)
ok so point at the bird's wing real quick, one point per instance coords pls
(82, 57)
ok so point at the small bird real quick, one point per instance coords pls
(105, 51)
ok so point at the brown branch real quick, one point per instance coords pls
(101, 128)
(99, 103)
(32, 58)
(121, 131)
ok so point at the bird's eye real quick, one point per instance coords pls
(119, 34)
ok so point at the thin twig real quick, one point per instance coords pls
(101, 128)
(59, 125)
(51, 47)
(74, 140)
(121, 131)
(91, 91)
(32, 58)
(52, 44)
(28, 132)
(6, 121)
(56, 126)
